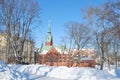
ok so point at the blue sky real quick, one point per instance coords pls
(60, 12)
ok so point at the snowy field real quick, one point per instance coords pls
(41, 72)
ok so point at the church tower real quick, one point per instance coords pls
(49, 40)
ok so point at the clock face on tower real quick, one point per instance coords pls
(48, 38)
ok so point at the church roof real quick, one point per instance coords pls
(53, 50)
(45, 49)
(49, 44)
(61, 49)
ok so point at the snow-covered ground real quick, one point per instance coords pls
(42, 72)
(7, 73)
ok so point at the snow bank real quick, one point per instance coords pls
(80, 74)
(40, 70)
(6, 73)
(66, 73)
(117, 71)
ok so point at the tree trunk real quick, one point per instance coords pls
(109, 62)
(102, 59)
(116, 60)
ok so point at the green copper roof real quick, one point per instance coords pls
(48, 36)
(49, 28)
(45, 48)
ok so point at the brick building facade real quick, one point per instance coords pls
(58, 55)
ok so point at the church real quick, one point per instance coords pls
(50, 54)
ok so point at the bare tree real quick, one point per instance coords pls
(79, 35)
(104, 20)
(18, 17)
(97, 18)
(69, 31)
(115, 45)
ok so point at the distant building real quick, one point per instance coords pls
(28, 56)
(84, 52)
(83, 58)
(3, 43)
(52, 55)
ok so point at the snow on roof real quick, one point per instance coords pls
(45, 49)
(84, 52)
(61, 49)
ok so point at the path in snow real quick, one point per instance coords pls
(46, 78)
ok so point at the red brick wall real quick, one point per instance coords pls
(87, 63)
(49, 43)
(63, 62)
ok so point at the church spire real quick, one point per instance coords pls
(49, 40)
(49, 28)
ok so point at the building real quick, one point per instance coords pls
(52, 55)
(84, 52)
(3, 43)
(28, 56)
(83, 58)
(9, 56)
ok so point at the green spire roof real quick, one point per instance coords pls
(49, 36)
(49, 29)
